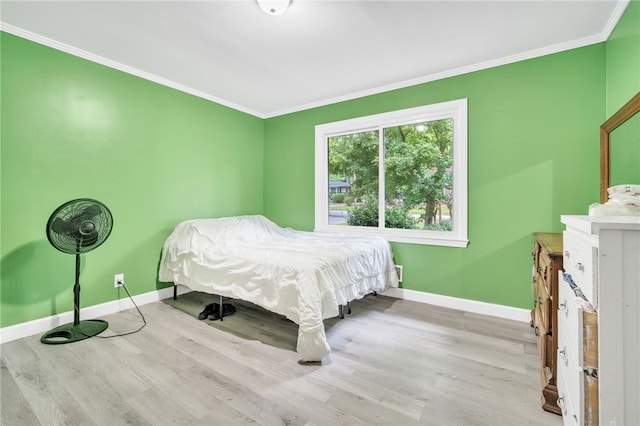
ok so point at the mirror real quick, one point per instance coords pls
(620, 148)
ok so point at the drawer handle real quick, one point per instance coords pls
(567, 254)
(564, 308)
(579, 266)
(536, 330)
(563, 354)
(562, 405)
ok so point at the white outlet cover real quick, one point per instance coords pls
(118, 280)
(399, 271)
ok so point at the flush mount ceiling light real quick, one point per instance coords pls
(274, 7)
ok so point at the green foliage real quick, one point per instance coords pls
(367, 215)
(337, 198)
(356, 155)
(444, 225)
(348, 200)
(364, 215)
(397, 217)
(418, 161)
(418, 164)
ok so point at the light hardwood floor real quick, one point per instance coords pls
(393, 362)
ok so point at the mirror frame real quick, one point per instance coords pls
(629, 109)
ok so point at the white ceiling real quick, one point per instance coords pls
(318, 52)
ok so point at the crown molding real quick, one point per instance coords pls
(54, 44)
(450, 73)
(617, 13)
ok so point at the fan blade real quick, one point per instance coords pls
(60, 226)
(91, 211)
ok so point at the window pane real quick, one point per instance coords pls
(353, 179)
(419, 176)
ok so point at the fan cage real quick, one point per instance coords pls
(79, 226)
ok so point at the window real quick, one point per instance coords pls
(401, 175)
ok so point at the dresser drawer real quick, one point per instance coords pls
(543, 304)
(570, 370)
(544, 270)
(580, 261)
(543, 341)
(570, 322)
(570, 415)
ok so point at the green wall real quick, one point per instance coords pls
(533, 155)
(623, 59)
(155, 156)
(622, 83)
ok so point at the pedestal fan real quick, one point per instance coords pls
(76, 227)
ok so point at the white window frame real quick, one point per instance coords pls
(456, 110)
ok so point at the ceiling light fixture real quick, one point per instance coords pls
(274, 7)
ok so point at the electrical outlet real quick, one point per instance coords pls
(118, 280)
(399, 272)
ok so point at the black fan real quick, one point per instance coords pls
(76, 227)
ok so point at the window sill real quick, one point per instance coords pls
(434, 238)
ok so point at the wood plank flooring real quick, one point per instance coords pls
(393, 362)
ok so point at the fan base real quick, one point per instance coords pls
(71, 332)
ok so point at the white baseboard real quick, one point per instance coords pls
(501, 311)
(41, 325)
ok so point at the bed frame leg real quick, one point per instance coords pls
(175, 292)
(341, 311)
(349, 308)
(220, 308)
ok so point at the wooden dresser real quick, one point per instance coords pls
(547, 262)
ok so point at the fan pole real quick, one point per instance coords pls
(79, 330)
(76, 293)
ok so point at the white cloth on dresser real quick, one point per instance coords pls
(624, 200)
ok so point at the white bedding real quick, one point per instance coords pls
(304, 276)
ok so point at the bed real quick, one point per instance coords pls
(305, 276)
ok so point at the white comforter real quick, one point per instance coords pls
(304, 276)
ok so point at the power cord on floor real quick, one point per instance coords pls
(144, 321)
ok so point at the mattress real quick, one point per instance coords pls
(304, 276)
